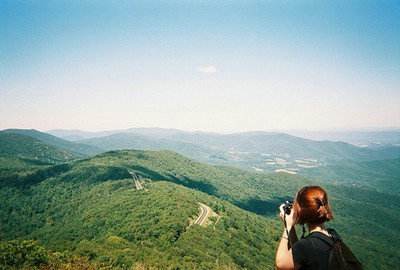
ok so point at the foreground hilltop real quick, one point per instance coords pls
(91, 208)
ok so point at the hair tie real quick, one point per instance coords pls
(320, 203)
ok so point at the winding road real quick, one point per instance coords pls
(138, 184)
(205, 211)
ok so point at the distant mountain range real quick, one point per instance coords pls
(258, 151)
(362, 138)
(76, 135)
(261, 151)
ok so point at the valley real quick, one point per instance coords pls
(158, 209)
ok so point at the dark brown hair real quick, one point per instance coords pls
(311, 206)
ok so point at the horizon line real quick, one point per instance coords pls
(332, 129)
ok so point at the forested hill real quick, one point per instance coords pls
(114, 224)
(91, 208)
(77, 149)
(20, 146)
(380, 175)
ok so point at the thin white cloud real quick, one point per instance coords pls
(207, 69)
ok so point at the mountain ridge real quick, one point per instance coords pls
(261, 150)
(26, 147)
(76, 148)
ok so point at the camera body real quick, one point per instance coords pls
(287, 207)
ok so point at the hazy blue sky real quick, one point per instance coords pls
(200, 65)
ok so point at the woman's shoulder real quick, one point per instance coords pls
(302, 243)
(322, 236)
(307, 242)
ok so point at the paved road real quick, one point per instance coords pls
(138, 184)
(205, 211)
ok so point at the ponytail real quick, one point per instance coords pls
(311, 206)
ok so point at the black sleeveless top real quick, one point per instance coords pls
(312, 252)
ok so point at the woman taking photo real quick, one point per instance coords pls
(311, 208)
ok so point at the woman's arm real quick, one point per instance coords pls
(284, 257)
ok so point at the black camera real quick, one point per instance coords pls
(287, 207)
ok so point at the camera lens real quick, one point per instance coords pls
(287, 207)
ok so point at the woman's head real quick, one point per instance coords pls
(311, 206)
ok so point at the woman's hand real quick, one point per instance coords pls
(284, 257)
(288, 218)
